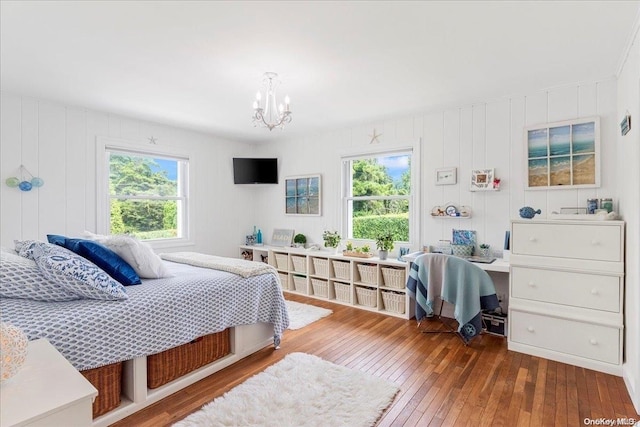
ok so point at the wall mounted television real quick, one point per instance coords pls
(255, 170)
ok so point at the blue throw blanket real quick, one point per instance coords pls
(465, 285)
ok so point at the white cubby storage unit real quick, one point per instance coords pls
(370, 284)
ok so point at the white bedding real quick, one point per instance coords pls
(237, 266)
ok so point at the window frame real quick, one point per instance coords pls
(105, 146)
(346, 210)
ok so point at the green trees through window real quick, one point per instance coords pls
(379, 196)
(145, 196)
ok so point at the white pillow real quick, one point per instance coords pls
(137, 254)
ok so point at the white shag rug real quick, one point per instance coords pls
(300, 390)
(300, 315)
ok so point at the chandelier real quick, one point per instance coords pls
(271, 116)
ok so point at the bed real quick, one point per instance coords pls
(157, 315)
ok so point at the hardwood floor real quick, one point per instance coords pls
(442, 382)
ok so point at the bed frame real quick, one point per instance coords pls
(245, 340)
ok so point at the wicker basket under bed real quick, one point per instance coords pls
(178, 361)
(108, 381)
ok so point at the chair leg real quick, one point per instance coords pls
(451, 329)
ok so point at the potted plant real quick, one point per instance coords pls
(331, 239)
(299, 240)
(384, 243)
(484, 250)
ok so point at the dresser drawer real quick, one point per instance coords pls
(586, 340)
(579, 241)
(591, 291)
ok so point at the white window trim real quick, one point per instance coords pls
(414, 200)
(102, 185)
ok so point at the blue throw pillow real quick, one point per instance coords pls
(101, 256)
(76, 274)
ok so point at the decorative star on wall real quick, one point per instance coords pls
(374, 137)
(152, 140)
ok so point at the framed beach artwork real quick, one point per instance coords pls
(303, 195)
(563, 154)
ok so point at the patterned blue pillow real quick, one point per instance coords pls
(24, 248)
(21, 278)
(101, 256)
(76, 274)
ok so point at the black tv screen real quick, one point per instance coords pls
(255, 171)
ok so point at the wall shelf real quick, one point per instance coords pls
(451, 211)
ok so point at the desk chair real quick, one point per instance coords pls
(457, 281)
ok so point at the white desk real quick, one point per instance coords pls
(499, 265)
(46, 391)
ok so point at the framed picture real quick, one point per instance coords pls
(482, 179)
(282, 237)
(563, 154)
(446, 176)
(303, 195)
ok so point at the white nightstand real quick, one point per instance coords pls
(46, 391)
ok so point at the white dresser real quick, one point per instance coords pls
(566, 292)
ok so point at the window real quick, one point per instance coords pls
(377, 195)
(147, 194)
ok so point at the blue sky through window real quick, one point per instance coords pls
(170, 166)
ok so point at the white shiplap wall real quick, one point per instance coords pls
(482, 135)
(629, 183)
(58, 143)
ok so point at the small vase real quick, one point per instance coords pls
(383, 254)
(485, 252)
(332, 250)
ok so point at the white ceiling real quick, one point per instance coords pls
(199, 64)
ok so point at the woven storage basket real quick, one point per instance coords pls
(108, 381)
(368, 274)
(284, 280)
(462, 250)
(393, 302)
(343, 292)
(341, 269)
(281, 261)
(321, 267)
(393, 277)
(178, 361)
(320, 288)
(300, 284)
(299, 264)
(366, 296)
